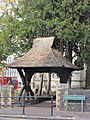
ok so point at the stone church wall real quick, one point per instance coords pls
(78, 78)
(74, 105)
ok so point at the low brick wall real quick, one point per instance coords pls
(74, 105)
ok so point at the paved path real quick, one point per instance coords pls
(40, 113)
(35, 113)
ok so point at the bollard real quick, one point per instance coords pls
(24, 104)
(51, 105)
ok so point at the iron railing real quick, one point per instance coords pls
(22, 103)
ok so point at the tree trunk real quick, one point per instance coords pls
(49, 84)
(68, 53)
(88, 76)
(41, 85)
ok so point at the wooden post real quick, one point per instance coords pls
(66, 93)
(6, 94)
(58, 96)
(26, 79)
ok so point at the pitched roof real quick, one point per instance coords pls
(42, 55)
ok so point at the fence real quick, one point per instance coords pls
(28, 101)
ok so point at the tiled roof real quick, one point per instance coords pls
(42, 55)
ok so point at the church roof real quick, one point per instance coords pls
(42, 54)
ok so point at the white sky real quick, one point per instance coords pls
(3, 5)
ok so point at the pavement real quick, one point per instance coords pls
(39, 113)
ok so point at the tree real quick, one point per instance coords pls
(67, 20)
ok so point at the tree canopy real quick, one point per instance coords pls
(67, 20)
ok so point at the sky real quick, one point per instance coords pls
(3, 5)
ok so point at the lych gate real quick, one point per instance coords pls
(40, 59)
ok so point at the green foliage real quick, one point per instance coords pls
(67, 20)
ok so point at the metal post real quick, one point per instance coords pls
(24, 104)
(51, 105)
(81, 105)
